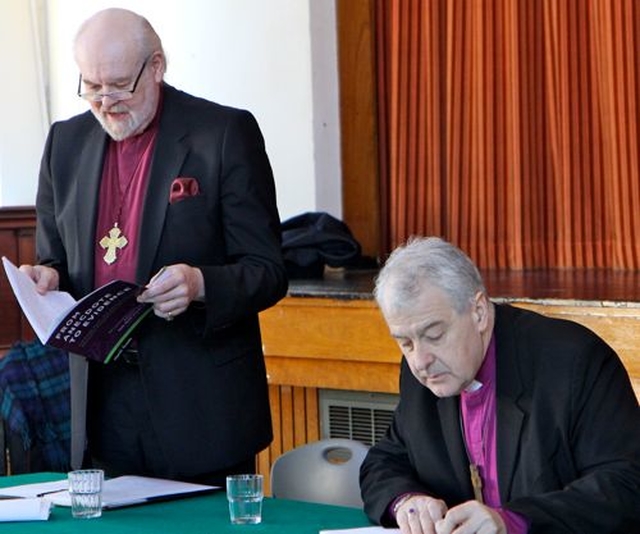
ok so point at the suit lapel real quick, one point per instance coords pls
(86, 201)
(169, 155)
(510, 415)
(449, 409)
(510, 419)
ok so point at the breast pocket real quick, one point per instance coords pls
(191, 232)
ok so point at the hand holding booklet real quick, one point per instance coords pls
(98, 326)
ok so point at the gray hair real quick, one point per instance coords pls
(427, 260)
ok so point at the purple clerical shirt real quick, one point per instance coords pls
(478, 408)
(122, 190)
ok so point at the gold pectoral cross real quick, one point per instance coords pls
(112, 242)
(476, 482)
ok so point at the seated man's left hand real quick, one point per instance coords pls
(471, 517)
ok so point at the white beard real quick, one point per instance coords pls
(129, 124)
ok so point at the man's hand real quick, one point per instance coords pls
(419, 514)
(471, 517)
(172, 289)
(45, 278)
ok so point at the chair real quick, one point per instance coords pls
(34, 409)
(325, 471)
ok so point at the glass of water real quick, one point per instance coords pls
(85, 490)
(245, 494)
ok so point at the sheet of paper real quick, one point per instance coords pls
(129, 490)
(34, 490)
(42, 311)
(24, 510)
(361, 530)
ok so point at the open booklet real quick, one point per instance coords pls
(118, 492)
(98, 326)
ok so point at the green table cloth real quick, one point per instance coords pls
(207, 514)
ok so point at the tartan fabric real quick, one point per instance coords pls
(35, 400)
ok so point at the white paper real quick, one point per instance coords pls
(37, 489)
(129, 490)
(42, 311)
(36, 509)
(362, 530)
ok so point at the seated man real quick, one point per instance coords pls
(508, 421)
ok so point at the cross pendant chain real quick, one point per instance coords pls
(112, 242)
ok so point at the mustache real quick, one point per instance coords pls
(115, 109)
(432, 370)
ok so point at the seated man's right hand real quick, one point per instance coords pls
(419, 514)
(45, 278)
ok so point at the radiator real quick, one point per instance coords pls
(358, 415)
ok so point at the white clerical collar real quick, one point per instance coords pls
(474, 386)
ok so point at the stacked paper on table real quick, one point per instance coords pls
(33, 509)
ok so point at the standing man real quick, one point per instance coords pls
(153, 179)
(508, 421)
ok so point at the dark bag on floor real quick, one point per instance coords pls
(315, 239)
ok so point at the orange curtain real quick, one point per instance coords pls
(511, 127)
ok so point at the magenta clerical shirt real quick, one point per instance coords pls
(478, 408)
(122, 190)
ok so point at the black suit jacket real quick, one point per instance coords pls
(204, 372)
(568, 434)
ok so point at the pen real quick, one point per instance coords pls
(157, 276)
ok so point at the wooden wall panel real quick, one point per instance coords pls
(295, 422)
(358, 123)
(17, 242)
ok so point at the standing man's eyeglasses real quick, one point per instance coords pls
(120, 94)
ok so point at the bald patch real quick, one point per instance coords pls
(114, 35)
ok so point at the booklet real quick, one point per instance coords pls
(99, 326)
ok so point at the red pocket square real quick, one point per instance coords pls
(182, 188)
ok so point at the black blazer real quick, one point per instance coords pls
(204, 372)
(568, 434)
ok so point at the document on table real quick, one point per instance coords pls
(19, 509)
(131, 490)
(117, 492)
(37, 489)
(361, 530)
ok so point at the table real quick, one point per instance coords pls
(207, 514)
